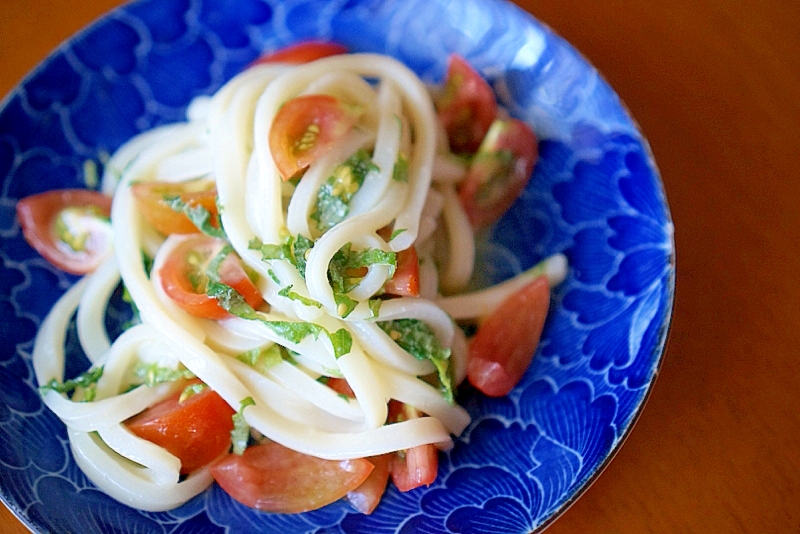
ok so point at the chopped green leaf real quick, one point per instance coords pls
(153, 374)
(240, 434)
(191, 389)
(199, 216)
(301, 246)
(234, 303)
(416, 338)
(344, 304)
(291, 295)
(346, 262)
(85, 382)
(397, 232)
(212, 270)
(400, 170)
(341, 340)
(295, 249)
(270, 252)
(334, 196)
(375, 306)
(231, 300)
(263, 358)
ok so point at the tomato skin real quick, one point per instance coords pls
(340, 386)
(197, 430)
(37, 215)
(273, 478)
(466, 107)
(405, 281)
(365, 498)
(302, 52)
(417, 466)
(178, 272)
(499, 172)
(151, 201)
(305, 128)
(503, 347)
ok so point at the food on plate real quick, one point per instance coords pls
(297, 254)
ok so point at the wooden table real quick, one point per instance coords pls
(715, 84)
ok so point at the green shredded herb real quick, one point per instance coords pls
(295, 332)
(291, 295)
(191, 389)
(347, 261)
(301, 247)
(344, 304)
(335, 195)
(263, 358)
(199, 215)
(153, 374)
(212, 269)
(240, 434)
(400, 170)
(294, 249)
(214, 287)
(344, 270)
(375, 306)
(397, 232)
(416, 338)
(86, 382)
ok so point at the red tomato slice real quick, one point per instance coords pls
(466, 106)
(405, 281)
(340, 386)
(79, 247)
(366, 497)
(305, 128)
(417, 466)
(184, 281)
(197, 430)
(151, 198)
(503, 347)
(302, 53)
(499, 172)
(273, 478)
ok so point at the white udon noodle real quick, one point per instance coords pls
(225, 137)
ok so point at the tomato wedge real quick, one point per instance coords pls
(417, 466)
(273, 478)
(366, 497)
(303, 52)
(305, 128)
(503, 347)
(184, 280)
(466, 106)
(340, 386)
(405, 281)
(68, 227)
(197, 430)
(499, 171)
(152, 198)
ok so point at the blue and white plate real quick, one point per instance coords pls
(595, 195)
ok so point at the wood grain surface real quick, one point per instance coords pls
(715, 86)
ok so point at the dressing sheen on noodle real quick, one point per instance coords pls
(334, 250)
